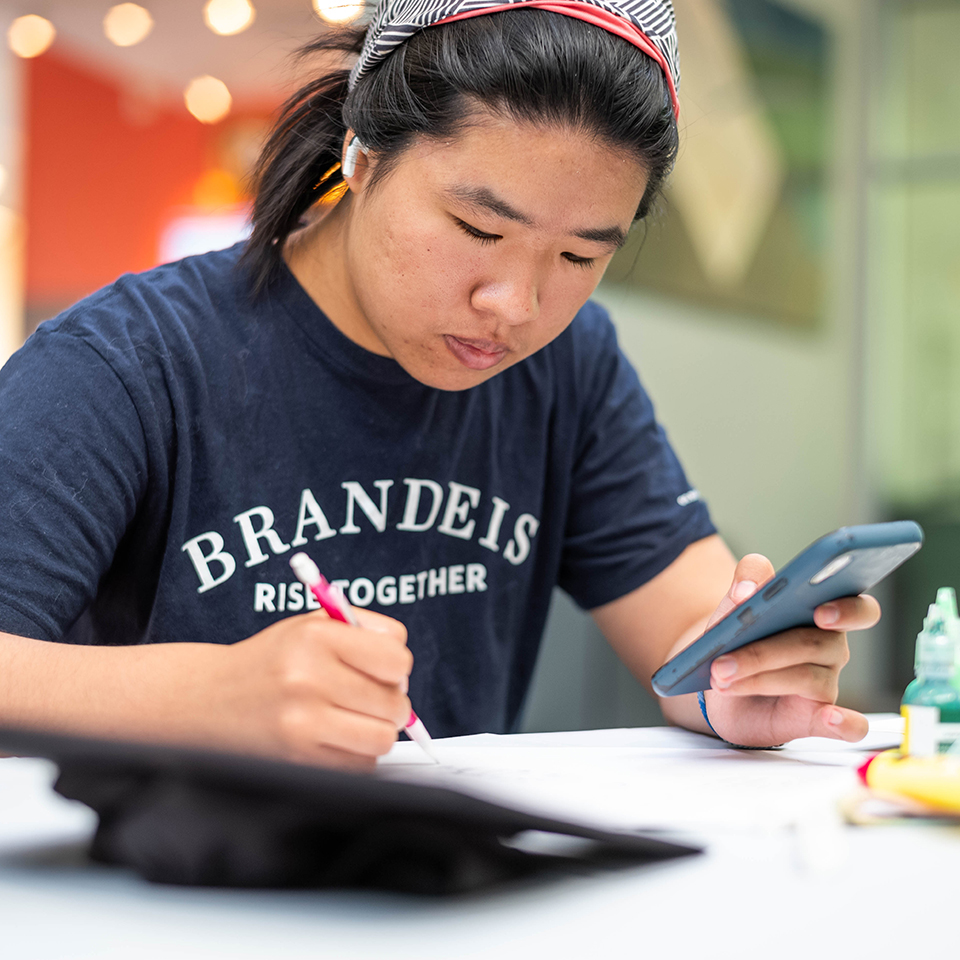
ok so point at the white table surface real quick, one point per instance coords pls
(782, 876)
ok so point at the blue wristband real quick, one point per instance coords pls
(702, 700)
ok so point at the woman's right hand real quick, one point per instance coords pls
(314, 690)
(307, 688)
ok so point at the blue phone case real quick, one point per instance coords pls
(844, 563)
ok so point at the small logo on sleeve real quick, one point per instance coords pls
(691, 496)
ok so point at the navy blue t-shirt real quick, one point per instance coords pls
(167, 444)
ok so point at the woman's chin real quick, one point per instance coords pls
(441, 374)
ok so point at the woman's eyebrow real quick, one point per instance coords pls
(612, 236)
(485, 199)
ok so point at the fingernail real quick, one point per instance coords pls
(829, 613)
(744, 589)
(834, 718)
(724, 668)
(405, 686)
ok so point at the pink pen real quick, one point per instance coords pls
(332, 600)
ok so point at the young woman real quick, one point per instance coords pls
(410, 385)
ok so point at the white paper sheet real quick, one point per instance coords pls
(645, 778)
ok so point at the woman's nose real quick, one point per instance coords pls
(513, 301)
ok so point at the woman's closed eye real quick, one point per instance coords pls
(483, 237)
(475, 233)
(585, 262)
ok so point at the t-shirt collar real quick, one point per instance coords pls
(333, 345)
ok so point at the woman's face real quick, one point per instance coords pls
(472, 254)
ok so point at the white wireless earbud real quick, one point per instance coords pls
(350, 158)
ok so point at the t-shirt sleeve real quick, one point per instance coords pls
(73, 463)
(632, 510)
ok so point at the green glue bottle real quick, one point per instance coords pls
(935, 665)
(947, 601)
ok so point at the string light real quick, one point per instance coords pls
(208, 99)
(127, 24)
(30, 36)
(338, 11)
(228, 17)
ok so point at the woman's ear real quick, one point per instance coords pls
(354, 162)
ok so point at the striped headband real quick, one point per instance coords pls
(647, 24)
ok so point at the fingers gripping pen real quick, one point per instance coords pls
(332, 600)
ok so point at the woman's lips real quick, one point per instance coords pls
(476, 354)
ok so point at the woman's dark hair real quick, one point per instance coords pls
(531, 65)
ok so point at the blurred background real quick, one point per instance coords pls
(793, 307)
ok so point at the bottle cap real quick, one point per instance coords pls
(947, 602)
(936, 646)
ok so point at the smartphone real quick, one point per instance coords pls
(844, 563)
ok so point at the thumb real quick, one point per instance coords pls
(752, 572)
(838, 723)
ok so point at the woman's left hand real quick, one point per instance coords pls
(786, 686)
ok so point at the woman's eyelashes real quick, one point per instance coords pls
(481, 237)
(585, 262)
(475, 233)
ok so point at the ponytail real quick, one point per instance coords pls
(300, 161)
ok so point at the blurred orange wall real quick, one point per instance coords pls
(103, 176)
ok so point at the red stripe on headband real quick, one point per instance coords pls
(590, 14)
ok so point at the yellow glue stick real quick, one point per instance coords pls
(934, 781)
